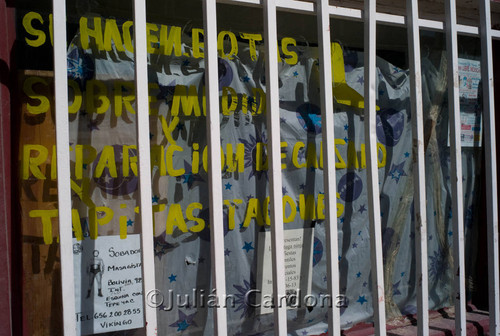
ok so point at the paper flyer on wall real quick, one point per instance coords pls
(108, 284)
(298, 246)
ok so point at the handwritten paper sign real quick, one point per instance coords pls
(108, 284)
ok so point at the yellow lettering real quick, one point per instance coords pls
(77, 97)
(46, 217)
(170, 165)
(151, 27)
(295, 154)
(127, 38)
(253, 211)
(220, 44)
(86, 33)
(32, 164)
(81, 159)
(111, 33)
(292, 55)
(226, 108)
(44, 104)
(251, 43)
(102, 92)
(307, 207)
(235, 162)
(107, 159)
(188, 101)
(27, 24)
(287, 200)
(197, 45)
(169, 41)
(175, 218)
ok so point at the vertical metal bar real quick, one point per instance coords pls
(456, 167)
(370, 115)
(418, 156)
(491, 164)
(274, 151)
(63, 167)
(214, 169)
(329, 176)
(144, 154)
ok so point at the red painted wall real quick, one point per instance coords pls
(7, 37)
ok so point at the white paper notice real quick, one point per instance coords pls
(108, 284)
(470, 113)
(298, 246)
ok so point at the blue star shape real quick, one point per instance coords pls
(161, 246)
(184, 321)
(246, 79)
(358, 275)
(302, 186)
(180, 126)
(247, 247)
(155, 199)
(407, 154)
(395, 288)
(172, 277)
(361, 80)
(228, 186)
(130, 222)
(346, 127)
(397, 171)
(182, 325)
(361, 299)
(362, 208)
(187, 177)
(284, 191)
(185, 63)
(354, 245)
(227, 251)
(295, 74)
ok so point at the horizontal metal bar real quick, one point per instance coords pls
(357, 14)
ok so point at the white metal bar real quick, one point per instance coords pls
(418, 156)
(456, 167)
(214, 170)
(370, 114)
(63, 167)
(329, 175)
(491, 166)
(143, 145)
(274, 172)
(357, 14)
